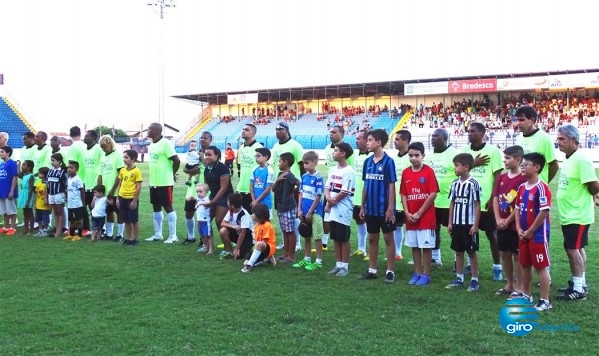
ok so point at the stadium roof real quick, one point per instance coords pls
(330, 92)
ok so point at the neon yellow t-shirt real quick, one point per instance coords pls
(77, 154)
(539, 142)
(574, 202)
(442, 164)
(291, 146)
(401, 163)
(41, 157)
(129, 179)
(246, 158)
(92, 158)
(359, 168)
(110, 164)
(29, 154)
(484, 175)
(161, 167)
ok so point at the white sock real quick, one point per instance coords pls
(362, 238)
(319, 261)
(461, 276)
(437, 255)
(499, 267)
(466, 260)
(398, 237)
(109, 229)
(157, 217)
(190, 224)
(345, 265)
(121, 228)
(308, 259)
(325, 239)
(254, 258)
(172, 223)
(339, 264)
(584, 278)
(577, 284)
(298, 237)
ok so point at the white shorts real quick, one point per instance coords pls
(327, 217)
(56, 199)
(8, 206)
(420, 238)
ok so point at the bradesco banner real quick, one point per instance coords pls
(426, 88)
(571, 81)
(507, 84)
(472, 86)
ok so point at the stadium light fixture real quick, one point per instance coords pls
(160, 7)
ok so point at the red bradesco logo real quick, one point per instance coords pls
(472, 85)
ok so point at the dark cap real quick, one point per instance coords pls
(282, 126)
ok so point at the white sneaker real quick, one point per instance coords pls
(298, 247)
(154, 238)
(280, 246)
(21, 224)
(171, 240)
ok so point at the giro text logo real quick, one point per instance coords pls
(518, 317)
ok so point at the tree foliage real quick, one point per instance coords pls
(104, 130)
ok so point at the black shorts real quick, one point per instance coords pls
(339, 232)
(126, 214)
(89, 197)
(442, 215)
(400, 219)
(248, 241)
(247, 201)
(191, 166)
(376, 224)
(76, 214)
(461, 240)
(356, 213)
(487, 221)
(190, 206)
(161, 195)
(111, 208)
(508, 241)
(575, 236)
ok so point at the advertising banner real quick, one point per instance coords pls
(571, 81)
(472, 86)
(528, 83)
(426, 88)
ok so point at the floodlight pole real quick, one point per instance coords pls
(161, 5)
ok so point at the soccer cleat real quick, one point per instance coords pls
(334, 271)
(279, 246)
(226, 255)
(366, 258)
(411, 261)
(497, 274)
(423, 281)
(119, 238)
(202, 249)
(246, 269)
(87, 233)
(457, 283)
(389, 277)
(358, 253)
(302, 263)
(188, 241)
(414, 279)
(573, 295)
(324, 249)
(68, 237)
(153, 238)
(368, 275)
(11, 232)
(519, 295)
(171, 240)
(474, 286)
(77, 238)
(543, 305)
(221, 246)
(343, 272)
(313, 266)
(3, 231)
(398, 257)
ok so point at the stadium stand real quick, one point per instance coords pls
(13, 122)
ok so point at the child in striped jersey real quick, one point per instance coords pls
(464, 216)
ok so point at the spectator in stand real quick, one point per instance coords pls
(229, 157)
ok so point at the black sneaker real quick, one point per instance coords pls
(188, 241)
(133, 242)
(568, 288)
(368, 275)
(573, 295)
(389, 277)
(127, 242)
(118, 239)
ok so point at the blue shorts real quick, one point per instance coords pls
(205, 228)
(98, 223)
(42, 217)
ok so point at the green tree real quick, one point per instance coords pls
(119, 135)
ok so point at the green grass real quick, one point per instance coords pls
(59, 297)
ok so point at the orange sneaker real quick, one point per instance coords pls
(11, 232)
(68, 237)
(3, 231)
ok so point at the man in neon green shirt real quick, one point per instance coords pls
(77, 154)
(246, 159)
(401, 141)
(361, 154)
(488, 164)
(288, 144)
(336, 135)
(110, 164)
(42, 153)
(441, 161)
(28, 150)
(92, 156)
(163, 167)
(576, 190)
(534, 139)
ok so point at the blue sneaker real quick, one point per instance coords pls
(414, 279)
(474, 286)
(457, 283)
(424, 280)
(497, 274)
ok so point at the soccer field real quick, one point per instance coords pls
(62, 297)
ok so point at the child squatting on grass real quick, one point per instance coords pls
(265, 239)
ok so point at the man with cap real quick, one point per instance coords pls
(287, 144)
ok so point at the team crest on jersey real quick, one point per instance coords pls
(422, 180)
(531, 197)
(380, 168)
